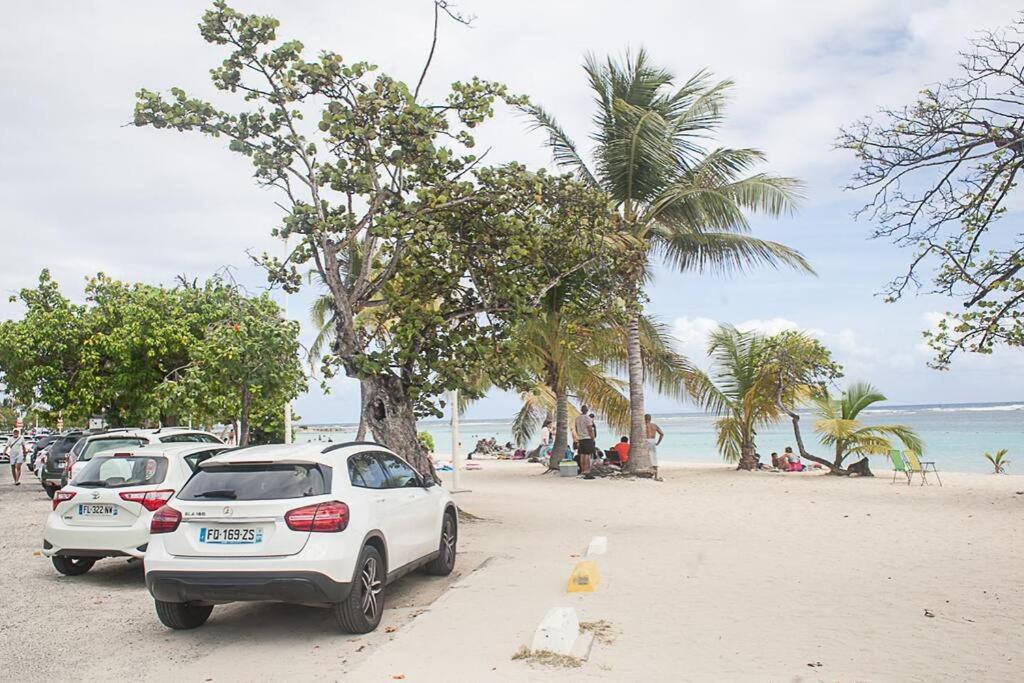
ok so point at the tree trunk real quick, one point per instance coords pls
(748, 461)
(861, 468)
(800, 444)
(391, 419)
(639, 458)
(243, 436)
(561, 428)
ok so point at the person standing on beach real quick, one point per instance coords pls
(586, 432)
(654, 437)
(17, 449)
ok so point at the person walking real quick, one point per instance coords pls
(586, 431)
(17, 449)
(654, 437)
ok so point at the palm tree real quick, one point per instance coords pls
(683, 202)
(837, 425)
(567, 356)
(734, 391)
(999, 461)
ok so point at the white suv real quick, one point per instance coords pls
(106, 510)
(301, 524)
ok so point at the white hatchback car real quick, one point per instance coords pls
(300, 524)
(106, 511)
(91, 444)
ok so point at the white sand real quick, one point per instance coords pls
(712, 575)
(724, 575)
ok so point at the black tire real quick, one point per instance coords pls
(444, 563)
(72, 566)
(50, 490)
(182, 615)
(362, 610)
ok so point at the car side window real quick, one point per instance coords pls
(196, 459)
(176, 438)
(400, 474)
(366, 472)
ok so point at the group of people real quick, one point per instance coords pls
(787, 462)
(584, 443)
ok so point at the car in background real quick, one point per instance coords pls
(300, 524)
(38, 448)
(107, 510)
(129, 438)
(51, 473)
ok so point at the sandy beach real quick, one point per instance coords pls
(711, 575)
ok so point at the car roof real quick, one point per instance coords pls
(171, 450)
(295, 453)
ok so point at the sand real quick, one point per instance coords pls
(710, 575)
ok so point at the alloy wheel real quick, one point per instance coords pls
(371, 586)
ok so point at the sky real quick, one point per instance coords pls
(81, 191)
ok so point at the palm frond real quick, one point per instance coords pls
(563, 149)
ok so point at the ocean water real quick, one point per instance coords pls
(955, 436)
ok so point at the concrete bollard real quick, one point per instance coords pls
(558, 631)
(598, 546)
(584, 577)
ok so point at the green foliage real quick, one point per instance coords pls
(756, 379)
(142, 354)
(428, 257)
(999, 461)
(427, 440)
(837, 425)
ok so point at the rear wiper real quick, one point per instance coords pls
(98, 483)
(218, 493)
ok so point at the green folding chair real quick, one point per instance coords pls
(917, 465)
(899, 465)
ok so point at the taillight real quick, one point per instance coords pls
(327, 517)
(151, 500)
(165, 520)
(60, 496)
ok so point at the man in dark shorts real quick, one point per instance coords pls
(586, 431)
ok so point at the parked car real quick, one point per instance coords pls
(301, 524)
(129, 438)
(52, 472)
(106, 511)
(41, 443)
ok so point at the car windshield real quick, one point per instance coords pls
(61, 448)
(257, 482)
(98, 445)
(116, 471)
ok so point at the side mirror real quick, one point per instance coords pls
(427, 482)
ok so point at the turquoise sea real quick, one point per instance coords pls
(956, 435)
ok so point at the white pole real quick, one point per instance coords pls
(288, 404)
(453, 401)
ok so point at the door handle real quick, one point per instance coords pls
(382, 499)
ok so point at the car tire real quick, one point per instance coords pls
(182, 615)
(72, 566)
(51, 491)
(444, 563)
(362, 610)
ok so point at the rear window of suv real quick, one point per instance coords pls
(112, 472)
(97, 445)
(257, 482)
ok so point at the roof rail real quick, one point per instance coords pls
(345, 444)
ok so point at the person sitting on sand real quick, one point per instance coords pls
(775, 459)
(621, 450)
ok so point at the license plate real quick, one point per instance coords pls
(88, 509)
(231, 536)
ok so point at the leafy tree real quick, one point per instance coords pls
(247, 357)
(46, 357)
(944, 171)
(457, 251)
(684, 203)
(837, 426)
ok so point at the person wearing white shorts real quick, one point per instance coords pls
(16, 449)
(654, 437)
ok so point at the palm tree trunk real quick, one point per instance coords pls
(561, 427)
(639, 458)
(748, 461)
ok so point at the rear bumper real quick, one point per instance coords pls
(95, 541)
(301, 587)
